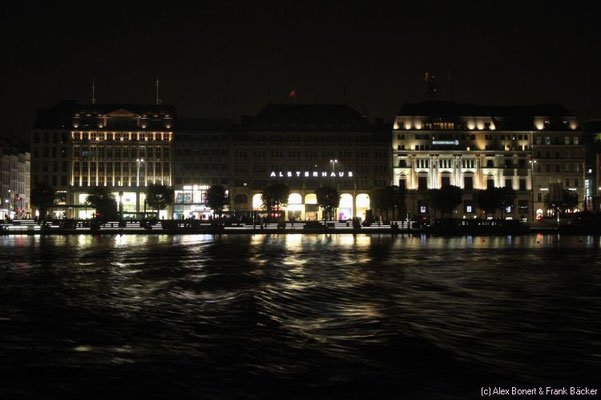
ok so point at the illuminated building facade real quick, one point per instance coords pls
(592, 180)
(15, 188)
(122, 147)
(559, 158)
(201, 159)
(307, 147)
(475, 147)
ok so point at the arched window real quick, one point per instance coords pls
(257, 201)
(311, 198)
(295, 198)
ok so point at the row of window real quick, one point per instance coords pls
(93, 180)
(468, 183)
(122, 136)
(465, 163)
(118, 152)
(205, 166)
(45, 166)
(200, 152)
(212, 181)
(200, 137)
(134, 166)
(312, 138)
(52, 180)
(546, 167)
(46, 137)
(356, 169)
(567, 140)
(47, 151)
(558, 155)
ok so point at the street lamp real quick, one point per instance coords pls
(333, 162)
(532, 162)
(138, 162)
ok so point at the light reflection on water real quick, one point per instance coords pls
(305, 315)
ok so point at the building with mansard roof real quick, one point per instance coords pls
(123, 147)
(307, 146)
(536, 151)
(15, 191)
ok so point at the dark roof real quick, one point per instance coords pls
(140, 109)
(312, 117)
(13, 145)
(201, 124)
(593, 125)
(452, 109)
(309, 113)
(59, 116)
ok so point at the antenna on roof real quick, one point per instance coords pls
(158, 100)
(93, 90)
(344, 95)
(292, 94)
(269, 94)
(430, 88)
(451, 94)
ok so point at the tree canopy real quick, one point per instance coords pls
(493, 199)
(103, 201)
(158, 197)
(274, 196)
(445, 199)
(389, 198)
(563, 201)
(42, 197)
(328, 198)
(216, 199)
(96, 194)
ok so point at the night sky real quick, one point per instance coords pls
(217, 58)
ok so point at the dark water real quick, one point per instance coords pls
(294, 316)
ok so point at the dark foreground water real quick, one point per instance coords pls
(316, 316)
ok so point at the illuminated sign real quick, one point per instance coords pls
(446, 142)
(310, 174)
(196, 187)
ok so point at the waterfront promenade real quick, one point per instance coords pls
(192, 226)
(187, 226)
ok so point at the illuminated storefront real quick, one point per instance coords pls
(303, 206)
(129, 203)
(190, 203)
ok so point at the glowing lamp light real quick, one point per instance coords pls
(573, 125)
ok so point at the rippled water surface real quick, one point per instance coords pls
(293, 316)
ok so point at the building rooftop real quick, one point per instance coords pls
(308, 117)
(309, 113)
(202, 124)
(13, 145)
(452, 109)
(59, 116)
